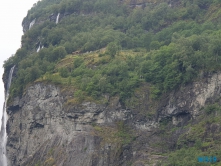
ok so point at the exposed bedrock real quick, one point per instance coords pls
(43, 128)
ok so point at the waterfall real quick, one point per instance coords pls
(3, 122)
(39, 48)
(57, 19)
(32, 23)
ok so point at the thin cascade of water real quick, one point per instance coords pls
(32, 23)
(3, 134)
(39, 48)
(57, 19)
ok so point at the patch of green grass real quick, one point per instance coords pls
(212, 108)
(124, 133)
(38, 163)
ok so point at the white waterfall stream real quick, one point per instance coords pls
(3, 122)
(57, 19)
(32, 23)
(39, 48)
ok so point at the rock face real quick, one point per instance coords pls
(39, 127)
(42, 129)
(188, 101)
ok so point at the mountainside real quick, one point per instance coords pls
(116, 83)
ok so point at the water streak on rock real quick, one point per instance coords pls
(39, 48)
(57, 19)
(3, 134)
(32, 23)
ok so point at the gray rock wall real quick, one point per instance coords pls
(188, 100)
(42, 129)
(38, 123)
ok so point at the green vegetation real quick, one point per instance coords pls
(177, 44)
(112, 49)
(121, 135)
(187, 157)
(212, 108)
(124, 133)
(200, 138)
(38, 163)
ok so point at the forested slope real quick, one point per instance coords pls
(179, 39)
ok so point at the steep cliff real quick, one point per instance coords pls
(43, 130)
